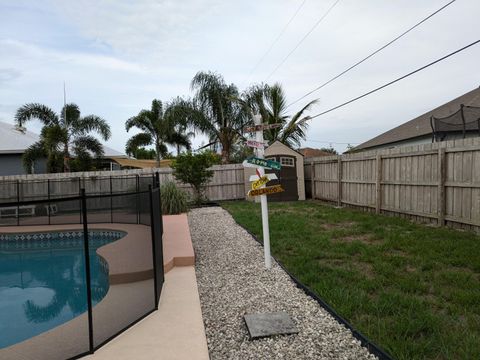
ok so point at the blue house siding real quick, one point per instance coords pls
(11, 164)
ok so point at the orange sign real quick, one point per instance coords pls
(266, 191)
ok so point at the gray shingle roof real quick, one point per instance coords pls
(420, 126)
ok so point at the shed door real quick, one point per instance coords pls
(287, 177)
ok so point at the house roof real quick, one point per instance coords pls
(310, 152)
(13, 141)
(420, 126)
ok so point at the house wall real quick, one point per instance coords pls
(11, 164)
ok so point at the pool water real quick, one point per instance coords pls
(42, 280)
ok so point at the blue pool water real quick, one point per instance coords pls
(42, 280)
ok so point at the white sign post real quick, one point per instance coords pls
(263, 198)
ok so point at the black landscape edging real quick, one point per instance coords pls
(367, 343)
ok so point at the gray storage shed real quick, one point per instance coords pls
(291, 176)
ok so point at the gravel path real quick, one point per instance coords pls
(232, 281)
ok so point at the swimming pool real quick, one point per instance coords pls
(42, 280)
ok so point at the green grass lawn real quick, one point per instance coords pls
(412, 289)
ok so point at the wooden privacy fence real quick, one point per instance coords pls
(227, 183)
(438, 183)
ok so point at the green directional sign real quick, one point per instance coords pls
(269, 164)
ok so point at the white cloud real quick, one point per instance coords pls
(116, 56)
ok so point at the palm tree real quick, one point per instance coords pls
(62, 135)
(158, 127)
(271, 103)
(216, 113)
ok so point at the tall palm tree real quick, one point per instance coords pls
(216, 113)
(271, 103)
(63, 135)
(158, 128)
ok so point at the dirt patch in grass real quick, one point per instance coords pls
(335, 226)
(363, 238)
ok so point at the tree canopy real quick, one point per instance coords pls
(63, 135)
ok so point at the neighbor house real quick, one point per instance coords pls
(457, 119)
(14, 142)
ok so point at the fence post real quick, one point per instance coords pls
(378, 185)
(312, 178)
(339, 177)
(157, 179)
(18, 200)
(80, 193)
(48, 206)
(441, 186)
(152, 228)
(111, 200)
(87, 268)
(138, 197)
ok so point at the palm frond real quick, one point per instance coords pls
(91, 123)
(88, 143)
(36, 111)
(32, 153)
(72, 113)
(136, 141)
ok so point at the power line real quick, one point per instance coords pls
(331, 142)
(396, 80)
(276, 40)
(372, 54)
(304, 37)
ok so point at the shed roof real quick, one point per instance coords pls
(310, 152)
(420, 126)
(270, 150)
(13, 141)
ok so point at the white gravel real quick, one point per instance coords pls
(232, 281)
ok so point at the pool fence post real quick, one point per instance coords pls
(111, 200)
(138, 198)
(154, 258)
(49, 208)
(87, 269)
(157, 179)
(80, 194)
(18, 200)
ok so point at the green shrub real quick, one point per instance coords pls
(174, 200)
(193, 169)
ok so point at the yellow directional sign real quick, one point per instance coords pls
(258, 183)
(266, 191)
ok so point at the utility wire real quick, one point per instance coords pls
(303, 39)
(331, 142)
(276, 40)
(396, 80)
(372, 54)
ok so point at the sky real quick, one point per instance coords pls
(115, 57)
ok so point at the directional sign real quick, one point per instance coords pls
(266, 191)
(271, 176)
(261, 127)
(269, 164)
(260, 182)
(255, 144)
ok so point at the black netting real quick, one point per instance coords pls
(125, 275)
(467, 118)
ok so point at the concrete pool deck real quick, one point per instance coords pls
(175, 331)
